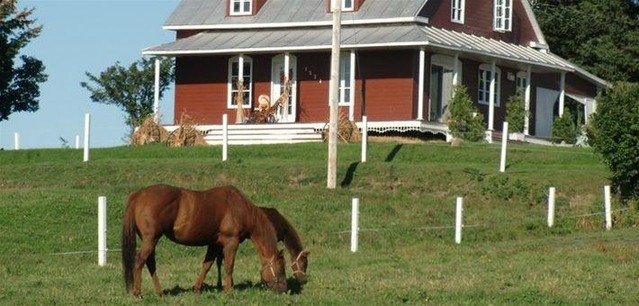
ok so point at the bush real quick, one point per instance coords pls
(466, 122)
(614, 134)
(564, 129)
(516, 112)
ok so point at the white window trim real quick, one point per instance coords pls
(459, 7)
(346, 57)
(503, 15)
(248, 87)
(483, 69)
(241, 12)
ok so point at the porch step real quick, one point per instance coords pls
(246, 134)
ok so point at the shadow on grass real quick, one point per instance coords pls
(348, 178)
(393, 153)
(294, 288)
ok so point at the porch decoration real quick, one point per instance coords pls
(186, 135)
(265, 112)
(347, 131)
(149, 132)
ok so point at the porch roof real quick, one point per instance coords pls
(415, 35)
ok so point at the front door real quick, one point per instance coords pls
(441, 85)
(288, 109)
(544, 114)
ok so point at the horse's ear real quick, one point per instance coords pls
(305, 253)
(280, 254)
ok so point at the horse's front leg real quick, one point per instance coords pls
(212, 252)
(230, 248)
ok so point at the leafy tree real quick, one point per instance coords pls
(601, 36)
(613, 132)
(465, 122)
(131, 89)
(19, 81)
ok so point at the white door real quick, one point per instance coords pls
(287, 112)
(544, 114)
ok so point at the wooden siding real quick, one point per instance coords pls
(478, 20)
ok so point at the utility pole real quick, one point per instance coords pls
(333, 95)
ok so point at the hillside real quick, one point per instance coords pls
(407, 192)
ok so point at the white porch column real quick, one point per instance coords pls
(527, 101)
(351, 109)
(156, 93)
(455, 70)
(491, 97)
(420, 94)
(562, 93)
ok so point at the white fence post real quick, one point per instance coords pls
(87, 124)
(458, 220)
(77, 141)
(16, 141)
(551, 206)
(225, 136)
(102, 231)
(354, 224)
(364, 137)
(607, 207)
(504, 143)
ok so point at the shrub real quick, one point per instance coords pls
(614, 134)
(564, 129)
(466, 122)
(516, 112)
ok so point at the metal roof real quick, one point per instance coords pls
(357, 37)
(203, 14)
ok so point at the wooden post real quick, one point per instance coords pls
(156, 92)
(551, 206)
(87, 125)
(225, 136)
(364, 137)
(458, 219)
(504, 143)
(608, 215)
(331, 178)
(354, 224)
(102, 231)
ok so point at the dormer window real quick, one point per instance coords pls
(503, 15)
(241, 7)
(347, 5)
(457, 10)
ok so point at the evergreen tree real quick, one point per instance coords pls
(20, 77)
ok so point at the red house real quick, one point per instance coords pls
(400, 60)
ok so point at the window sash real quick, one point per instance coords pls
(247, 81)
(345, 79)
(457, 11)
(241, 7)
(483, 93)
(503, 15)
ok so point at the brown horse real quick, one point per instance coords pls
(286, 233)
(218, 218)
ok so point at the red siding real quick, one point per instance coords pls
(478, 20)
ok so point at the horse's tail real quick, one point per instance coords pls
(128, 245)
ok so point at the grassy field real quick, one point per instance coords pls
(407, 254)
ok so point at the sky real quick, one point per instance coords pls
(85, 36)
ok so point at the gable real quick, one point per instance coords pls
(478, 21)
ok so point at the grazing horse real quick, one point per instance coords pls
(285, 232)
(219, 218)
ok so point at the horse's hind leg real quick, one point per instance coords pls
(211, 253)
(146, 255)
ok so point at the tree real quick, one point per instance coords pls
(19, 80)
(613, 132)
(131, 89)
(601, 36)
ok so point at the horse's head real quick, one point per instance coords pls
(273, 274)
(299, 266)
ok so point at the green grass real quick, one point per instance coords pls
(48, 211)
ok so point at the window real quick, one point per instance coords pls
(457, 11)
(241, 7)
(503, 15)
(347, 5)
(345, 79)
(483, 96)
(521, 81)
(234, 76)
